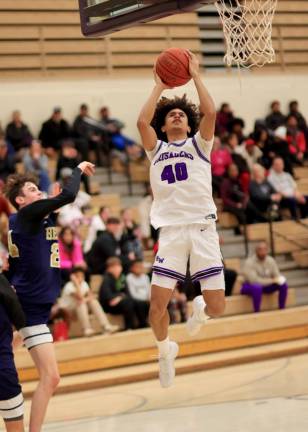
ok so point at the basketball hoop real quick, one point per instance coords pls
(247, 27)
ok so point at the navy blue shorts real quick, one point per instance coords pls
(36, 314)
(11, 399)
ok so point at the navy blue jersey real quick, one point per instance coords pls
(34, 261)
(6, 337)
(33, 247)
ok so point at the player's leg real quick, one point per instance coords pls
(11, 400)
(158, 313)
(45, 361)
(14, 425)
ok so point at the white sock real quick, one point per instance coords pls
(163, 347)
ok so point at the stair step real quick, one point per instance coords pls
(124, 375)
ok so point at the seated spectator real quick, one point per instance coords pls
(72, 214)
(231, 141)
(264, 142)
(262, 276)
(92, 134)
(279, 147)
(233, 198)
(97, 225)
(132, 233)
(178, 302)
(237, 126)
(138, 283)
(114, 297)
(250, 152)
(109, 244)
(224, 118)
(70, 252)
(7, 164)
(18, 134)
(77, 297)
(275, 118)
(294, 111)
(53, 132)
(285, 185)
(262, 195)
(35, 161)
(296, 140)
(70, 158)
(122, 145)
(220, 160)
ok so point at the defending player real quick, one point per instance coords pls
(35, 273)
(183, 209)
(11, 399)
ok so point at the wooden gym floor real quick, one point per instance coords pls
(264, 397)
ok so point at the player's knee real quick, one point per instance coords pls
(51, 380)
(215, 308)
(156, 311)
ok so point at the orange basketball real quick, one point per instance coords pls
(172, 66)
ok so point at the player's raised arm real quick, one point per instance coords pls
(147, 133)
(207, 105)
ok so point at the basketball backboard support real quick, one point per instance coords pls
(102, 17)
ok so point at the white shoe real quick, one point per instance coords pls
(198, 318)
(111, 329)
(166, 366)
(88, 332)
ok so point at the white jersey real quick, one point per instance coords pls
(181, 180)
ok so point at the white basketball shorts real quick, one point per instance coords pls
(197, 242)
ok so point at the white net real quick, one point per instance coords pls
(247, 26)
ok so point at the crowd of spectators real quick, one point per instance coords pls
(252, 174)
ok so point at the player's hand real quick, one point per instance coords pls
(158, 80)
(193, 64)
(87, 168)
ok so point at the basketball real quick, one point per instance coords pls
(172, 67)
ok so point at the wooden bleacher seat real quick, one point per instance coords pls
(227, 220)
(301, 258)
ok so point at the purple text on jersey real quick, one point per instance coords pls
(170, 155)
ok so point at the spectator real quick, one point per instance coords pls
(109, 244)
(54, 131)
(77, 297)
(262, 195)
(70, 252)
(280, 148)
(224, 118)
(220, 160)
(97, 225)
(296, 140)
(237, 127)
(69, 158)
(232, 144)
(72, 214)
(18, 134)
(264, 143)
(4, 204)
(114, 298)
(122, 145)
(233, 198)
(132, 233)
(262, 275)
(35, 161)
(293, 111)
(286, 186)
(138, 283)
(7, 165)
(250, 152)
(275, 118)
(91, 133)
(178, 302)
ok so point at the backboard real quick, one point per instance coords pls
(102, 17)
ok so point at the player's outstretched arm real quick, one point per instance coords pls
(40, 209)
(147, 133)
(207, 105)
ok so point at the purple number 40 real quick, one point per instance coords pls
(177, 173)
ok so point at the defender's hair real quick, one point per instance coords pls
(166, 105)
(14, 185)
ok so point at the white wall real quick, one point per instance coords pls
(249, 96)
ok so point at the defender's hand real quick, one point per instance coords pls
(87, 168)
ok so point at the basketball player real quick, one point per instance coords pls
(11, 399)
(183, 209)
(35, 273)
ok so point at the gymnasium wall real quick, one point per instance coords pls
(249, 96)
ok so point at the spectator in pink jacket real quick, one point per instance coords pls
(221, 159)
(296, 140)
(71, 255)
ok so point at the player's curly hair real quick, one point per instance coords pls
(14, 185)
(166, 105)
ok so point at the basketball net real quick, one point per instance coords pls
(247, 27)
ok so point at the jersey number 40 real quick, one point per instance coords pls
(171, 173)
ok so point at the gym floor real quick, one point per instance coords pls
(257, 397)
